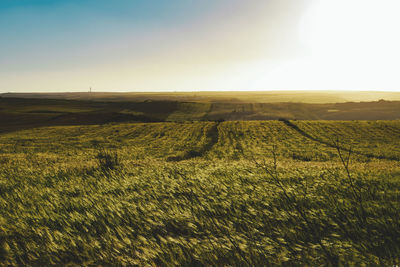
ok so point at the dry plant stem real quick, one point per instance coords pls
(333, 259)
(357, 193)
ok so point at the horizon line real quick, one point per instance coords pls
(207, 91)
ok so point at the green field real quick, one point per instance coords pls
(195, 193)
(17, 112)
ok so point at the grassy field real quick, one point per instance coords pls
(197, 193)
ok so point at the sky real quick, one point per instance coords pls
(199, 45)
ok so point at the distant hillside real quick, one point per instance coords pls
(322, 97)
(20, 113)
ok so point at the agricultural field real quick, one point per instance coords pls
(199, 133)
(18, 112)
(315, 97)
(201, 193)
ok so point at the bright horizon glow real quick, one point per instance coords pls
(180, 45)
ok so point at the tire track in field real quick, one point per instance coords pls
(212, 135)
(305, 134)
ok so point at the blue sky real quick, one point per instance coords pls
(183, 45)
(35, 31)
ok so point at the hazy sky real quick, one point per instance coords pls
(183, 45)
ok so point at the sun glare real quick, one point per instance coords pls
(356, 41)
